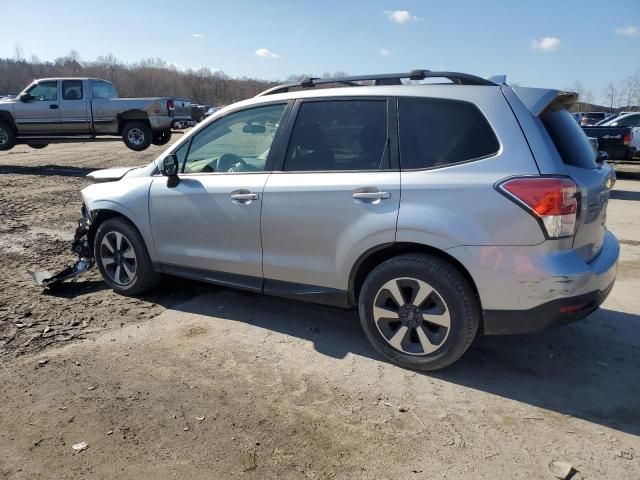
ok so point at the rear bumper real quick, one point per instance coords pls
(551, 314)
(528, 288)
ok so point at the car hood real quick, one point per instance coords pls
(110, 174)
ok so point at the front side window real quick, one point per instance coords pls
(339, 135)
(103, 90)
(44, 91)
(437, 132)
(238, 142)
(72, 89)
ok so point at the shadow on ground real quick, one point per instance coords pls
(589, 370)
(47, 170)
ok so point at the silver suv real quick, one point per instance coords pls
(438, 211)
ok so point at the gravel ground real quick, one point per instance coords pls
(199, 381)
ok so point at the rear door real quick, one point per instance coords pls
(74, 112)
(41, 114)
(593, 180)
(334, 195)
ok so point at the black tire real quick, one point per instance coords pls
(137, 136)
(38, 146)
(161, 138)
(7, 136)
(451, 290)
(144, 277)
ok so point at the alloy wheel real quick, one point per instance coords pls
(411, 316)
(118, 258)
(135, 136)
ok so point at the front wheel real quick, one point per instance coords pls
(419, 311)
(7, 136)
(137, 136)
(161, 138)
(122, 257)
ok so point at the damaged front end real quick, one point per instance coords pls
(81, 247)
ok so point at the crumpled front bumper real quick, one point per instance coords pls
(80, 247)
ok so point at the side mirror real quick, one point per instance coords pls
(26, 97)
(170, 169)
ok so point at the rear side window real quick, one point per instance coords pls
(436, 132)
(339, 135)
(102, 90)
(568, 137)
(72, 89)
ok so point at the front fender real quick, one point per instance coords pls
(129, 198)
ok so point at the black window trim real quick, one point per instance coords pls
(462, 162)
(391, 146)
(268, 167)
(82, 92)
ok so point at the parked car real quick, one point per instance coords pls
(631, 120)
(591, 117)
(211, 110)
(621, 142)
(69, 109)
(438, 211)
(198, 112)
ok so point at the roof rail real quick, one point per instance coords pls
(381, 79)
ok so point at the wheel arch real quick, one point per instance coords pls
(7, 118)
(375, 256)
(135, 115)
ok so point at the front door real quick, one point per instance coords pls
(335, 195)
(40, 113)
(208, 226)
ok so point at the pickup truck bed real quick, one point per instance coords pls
(616, 141)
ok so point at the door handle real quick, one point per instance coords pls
(371, 195)
(244, 197)
(53, 106)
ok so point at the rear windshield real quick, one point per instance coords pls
(572, 143)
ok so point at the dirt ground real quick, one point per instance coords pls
(196, 381)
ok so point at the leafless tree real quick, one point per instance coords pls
(610, 92)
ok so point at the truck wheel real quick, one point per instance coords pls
(418, 311)
(7, 136)
(122, 257)
(137, 136)
(161, 138)
(38, 146)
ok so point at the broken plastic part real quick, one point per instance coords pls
(80, 246)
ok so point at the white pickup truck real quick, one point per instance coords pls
(55, 110)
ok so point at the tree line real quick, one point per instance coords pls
(623, 95)
(148, 77)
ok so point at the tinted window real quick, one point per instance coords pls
(238, 142)
(103, 90)
(569, 138)
(44, 91)
(72, 89)
(436, 133)
(339, 135)
(630, 121)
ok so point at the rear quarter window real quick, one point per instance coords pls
(570, 140)
(439, 132)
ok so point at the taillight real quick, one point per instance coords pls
(171, 107)
(553, 201)
(627, 138)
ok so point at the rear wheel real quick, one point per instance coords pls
(122, 257)
(137, 136)
(7, 136)
(419, 311)
(161, 138)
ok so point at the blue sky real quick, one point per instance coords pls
(537, 43)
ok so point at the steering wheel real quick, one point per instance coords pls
(228, 161)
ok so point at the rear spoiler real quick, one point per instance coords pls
(538, 99)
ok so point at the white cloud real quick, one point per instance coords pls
(265, 53)
(400, 16)
(384, 52)
(198, 35)
(546, 44)
(629, 31)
